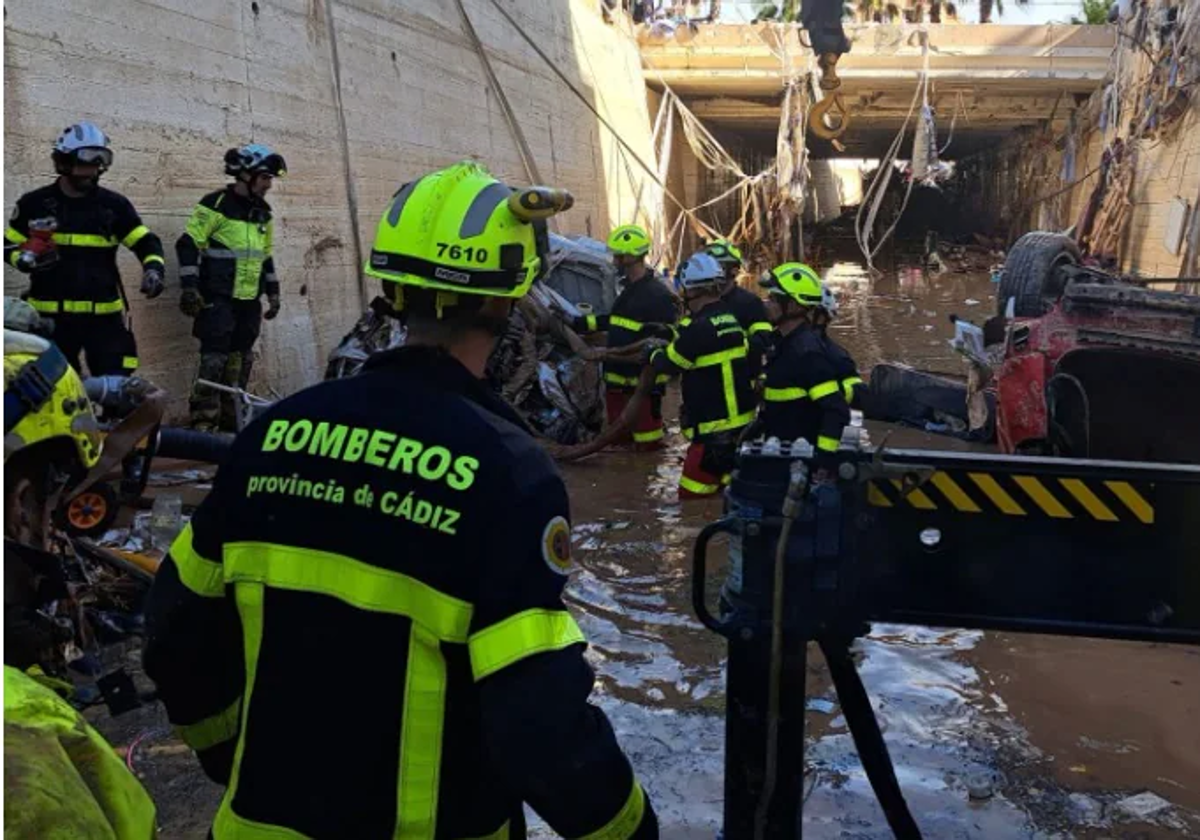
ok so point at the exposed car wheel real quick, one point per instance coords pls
(1031, 277)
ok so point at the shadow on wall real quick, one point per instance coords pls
(360, 96)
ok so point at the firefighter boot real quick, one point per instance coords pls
(231, 376)
(205, 403)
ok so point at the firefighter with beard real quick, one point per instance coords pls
(65, 236)
(226, 265)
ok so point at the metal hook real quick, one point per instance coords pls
(829, 118)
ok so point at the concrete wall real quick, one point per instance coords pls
(176, 82)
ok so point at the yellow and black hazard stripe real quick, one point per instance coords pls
(1016, 494)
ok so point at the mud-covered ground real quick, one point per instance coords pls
(1072, 737)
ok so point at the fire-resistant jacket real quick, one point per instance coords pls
(62, 780)
(640, 308)
(847, 371)
(361, 632)
(712, 353)
(804, 395)
(84, 280)
(226, 248)
(751, 313)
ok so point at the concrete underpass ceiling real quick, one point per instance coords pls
(997, 78)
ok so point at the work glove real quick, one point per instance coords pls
(273, 305)
(152, 282)
(190, 302)
(652, 346)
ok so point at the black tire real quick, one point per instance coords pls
(1030, 273)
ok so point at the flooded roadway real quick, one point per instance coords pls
(1062, 731)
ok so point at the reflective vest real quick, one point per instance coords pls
(226, 248)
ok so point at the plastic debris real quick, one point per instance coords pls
(1142, 806)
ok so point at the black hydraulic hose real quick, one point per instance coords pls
(191, 445)
(868, 738)
(797, 486)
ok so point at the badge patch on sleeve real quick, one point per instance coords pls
(556, 545)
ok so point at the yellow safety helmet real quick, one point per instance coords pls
(724, 252)
(629, 240)
(793, 280)
(461, 231)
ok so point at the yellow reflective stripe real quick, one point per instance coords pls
(661, 379)
(249, 598)
(199, 574)
(827, 444)
(997, 494)
(13, 257)
(77, 307)
(627, 820)
(43, 305)
(759, 326)
(620, 379)
(135, 236)
(784, 394)
(84, 307)
(824, 389)
(212, 730)
(519, 636)
(848, 386)
(625, 323)
(84, 240)
(726, 424)
(592, 323)
(915, 496)
(730, 389)
(153, 258)
(678, 358)
(359, 584)
(693, 486)
(1088, 499)
(421, 737)
(648, 437)
(1133, 500)
(1042, 497)
(714, 359)
(129, 362)
(954, 493)
(15, 236)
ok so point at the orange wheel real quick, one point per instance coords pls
(92, 511)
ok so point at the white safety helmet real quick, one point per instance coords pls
(700, 271)
(829, 301)
(84, 143)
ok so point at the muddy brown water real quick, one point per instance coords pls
(1061, 730)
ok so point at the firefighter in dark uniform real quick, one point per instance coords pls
(393, 547)
(645, 308)
(843, 362)
(803, 396)
(749, 308)
(225, 266)
(713, 354)
(65, 236)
